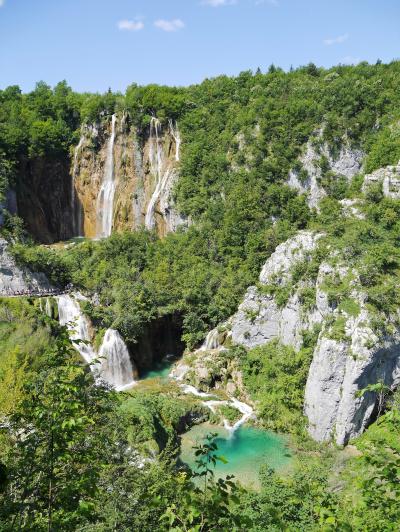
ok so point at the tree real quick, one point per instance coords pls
(61, 435)
(209, 504)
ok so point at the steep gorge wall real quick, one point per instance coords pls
(144, 171)
(60, 197)
(43, 193)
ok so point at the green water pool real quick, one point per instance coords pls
(246, 451)
(160, 370)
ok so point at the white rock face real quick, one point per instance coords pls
(343, 363)
(346, 164)
(15, 280)
(338, 370)
(259, 319)
(389, 176)
(278, 266)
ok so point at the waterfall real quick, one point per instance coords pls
(114, 366)
(105, 200)
(76, 214)
(155, 148)
(162, 171)
(246, 410)
(156, 164)
(70, 314)
(115, 363)
(177, 137)
(211, 341)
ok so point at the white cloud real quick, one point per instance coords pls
(218, 3)
(129, 25)
(336, 40)
(169, 25)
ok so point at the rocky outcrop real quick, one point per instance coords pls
(16, 280)
(259, 318)
(340, 369)
(144, 171)
(307, 179)
(388, 177)
(348, 355)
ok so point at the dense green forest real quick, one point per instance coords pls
(70, 450)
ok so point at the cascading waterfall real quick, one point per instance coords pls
(70, 314)
(211, 341)
(115, 363)
(76, 212)
(112, 364)
(246, 410)
(163, 172)
(105, 200)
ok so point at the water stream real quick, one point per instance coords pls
(76, 211)
(105, 200)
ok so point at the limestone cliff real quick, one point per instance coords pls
(43, 194)
(16, 280)
(349, 354)
(388, 177)
(318, 160)
(144, 171)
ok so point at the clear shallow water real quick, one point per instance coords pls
(160, 370)
(246, 451)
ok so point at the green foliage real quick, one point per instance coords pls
(23, 337)
(386, 149)
(57, 446)
(211, 506)
(350, 307)
(275, 376)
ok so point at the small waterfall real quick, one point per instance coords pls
(105, 200)
(115, 363)
(246, 410)
(76, 212)
(211, 341)
(70, 314)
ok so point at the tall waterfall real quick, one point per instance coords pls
(115, 363)
(161, 170)
(70, 314)
(76, 211)
(177, 137)
(105, 200)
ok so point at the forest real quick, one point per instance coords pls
(71, 450)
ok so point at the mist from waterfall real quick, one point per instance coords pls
(115, 363)
(112, 364)
(163, 172)
(105, 200)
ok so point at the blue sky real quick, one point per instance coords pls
(96, 44)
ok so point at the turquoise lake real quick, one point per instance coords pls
(246, 451)
(160, 370)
